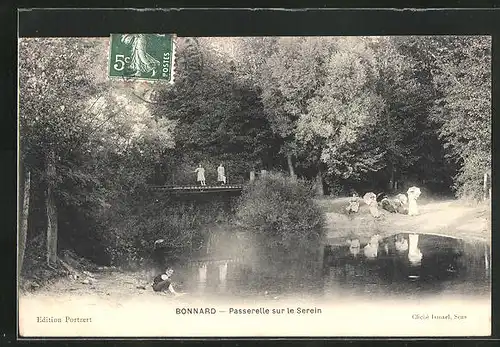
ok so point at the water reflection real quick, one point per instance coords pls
(410, 263)
(354, 246)
(407, 264)
(414, 253)
(401, 244)
(371, 249)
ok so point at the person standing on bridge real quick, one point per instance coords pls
(201, 175)
(221, 175)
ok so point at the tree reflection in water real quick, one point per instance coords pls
(447, 265)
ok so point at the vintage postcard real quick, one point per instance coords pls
(333, 186)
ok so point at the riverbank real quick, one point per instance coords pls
(454, 218)
(110, 302)
(120, 304)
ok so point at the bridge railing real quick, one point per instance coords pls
(192, 184)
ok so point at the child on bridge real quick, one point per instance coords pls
(201, 175)
(221, 175)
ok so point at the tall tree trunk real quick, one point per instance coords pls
(485, 186)
(321, 258)
(51, 210)
(391, 179)
(319, 182)
(23, 223)
(290, 165)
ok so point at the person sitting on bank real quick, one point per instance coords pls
(400, 203)
(388, 205)
(162, 282)
(353, 206)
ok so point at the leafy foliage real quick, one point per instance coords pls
(460, 70)
(344, 109)
(106, 143)
(219, 119)
(351, 111)
(283, 216)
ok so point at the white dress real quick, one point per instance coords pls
(221, 174)
(413, 194)
(201, 174)
(414, 253)
(412, 206)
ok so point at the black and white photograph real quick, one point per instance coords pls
(174, 186)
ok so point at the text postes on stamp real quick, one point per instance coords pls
(147, 57)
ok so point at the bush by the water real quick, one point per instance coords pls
(287, 223)
(182, 224)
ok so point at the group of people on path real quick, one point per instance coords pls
(401, 203)
(221, 175)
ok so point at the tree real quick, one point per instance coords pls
(287, 80)
(460, 70)
(53, 85)
(464, 111)
(402, 129)
(23, 223)
(344, 109)
(220, 118)
(89, 142)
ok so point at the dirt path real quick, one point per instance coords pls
(450, 217)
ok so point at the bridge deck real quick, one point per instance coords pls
(200, 189)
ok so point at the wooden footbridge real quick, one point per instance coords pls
(224, 189)
(199, 189)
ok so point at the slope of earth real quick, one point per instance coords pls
(453, 218)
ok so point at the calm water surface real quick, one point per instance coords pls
(437, 265)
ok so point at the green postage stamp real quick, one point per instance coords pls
(147, 57)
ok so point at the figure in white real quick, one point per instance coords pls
(354, 247)
(353, 206)
(401, 244)
(221, 174)
(414, 253)
(413, 194)
(201, 175)
(371, 200)
(371, 249)
(202, 276)
(223, 276)
(140, 61)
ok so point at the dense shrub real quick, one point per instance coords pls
(287, 224)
